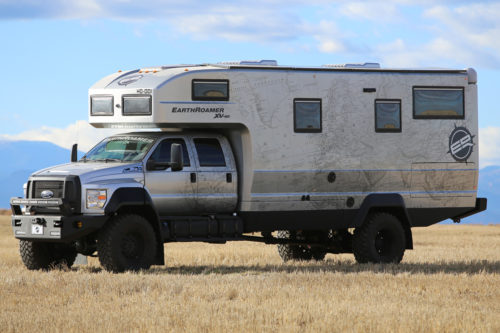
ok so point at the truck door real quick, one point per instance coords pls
(172, 192)
(216, 175)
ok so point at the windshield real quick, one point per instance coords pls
(119, 149)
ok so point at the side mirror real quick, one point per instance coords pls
(74, 153)
(176, 158)
(151, 165)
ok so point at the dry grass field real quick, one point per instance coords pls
(449, 283)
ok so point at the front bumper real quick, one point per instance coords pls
(52, 227)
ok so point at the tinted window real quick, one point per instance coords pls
(210, 90)
(388, 116)
(307, 115)
(444, 103)
(209, 153)
(162, 152)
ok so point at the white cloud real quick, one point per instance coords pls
(373, 11)
(471, 30)
(489, 146)
(446, 33)
(80, 132)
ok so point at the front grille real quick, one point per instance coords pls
(57, 187)
(67, 188)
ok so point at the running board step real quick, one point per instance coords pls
(201, 227)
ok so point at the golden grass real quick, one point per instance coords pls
(449, 283)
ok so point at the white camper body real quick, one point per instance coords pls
(337, 164)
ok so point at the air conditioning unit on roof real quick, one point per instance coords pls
(364, 65)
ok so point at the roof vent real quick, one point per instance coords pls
(251, 63)
(364, 65)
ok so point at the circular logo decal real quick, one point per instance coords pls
(129, 79)
(461, 144)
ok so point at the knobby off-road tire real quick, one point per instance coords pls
(289, 252)
(126, 243)
(39, 255)
(381, 239)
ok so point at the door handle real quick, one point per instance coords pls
(193, 177)
(229, 177)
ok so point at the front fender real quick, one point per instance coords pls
(128, 196)
(135, 200)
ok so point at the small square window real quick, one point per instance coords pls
(210, 90)
(307, 115)
(387, 116)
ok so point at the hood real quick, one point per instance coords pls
(89, 171)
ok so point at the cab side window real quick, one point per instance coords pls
(162, 152)
(210, 152)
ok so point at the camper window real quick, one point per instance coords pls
(101, 105)
(209, 153)
(438, 103)
(387, 115)
(307, 115)
(210, 90)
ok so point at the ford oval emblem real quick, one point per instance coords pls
(47, 194)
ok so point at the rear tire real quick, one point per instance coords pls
(40, 255)
(381, 239)
(126, 243)
(289, 252)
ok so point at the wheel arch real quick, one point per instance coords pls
(136, 200)
(392, 203)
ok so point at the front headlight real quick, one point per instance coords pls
(96, 198)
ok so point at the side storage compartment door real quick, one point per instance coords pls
(172, 191)
(216, 175)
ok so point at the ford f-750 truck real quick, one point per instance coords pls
(331, 159)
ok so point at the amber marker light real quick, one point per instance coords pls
(79, 224)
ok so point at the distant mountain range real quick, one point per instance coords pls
(21, 158)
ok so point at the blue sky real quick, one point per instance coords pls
(53, 51)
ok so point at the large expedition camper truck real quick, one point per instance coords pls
(331, 159)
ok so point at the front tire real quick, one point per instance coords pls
(40, 255)
(127, 243)
(381, 239)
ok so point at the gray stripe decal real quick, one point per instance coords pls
(361, 170)
(191, 195)
(264, 195)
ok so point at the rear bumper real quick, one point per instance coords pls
(55, 228)
(481, 205)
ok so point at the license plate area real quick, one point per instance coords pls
(37, 229)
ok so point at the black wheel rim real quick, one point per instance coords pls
(132, 246)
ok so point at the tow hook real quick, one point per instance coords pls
(38, 220)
